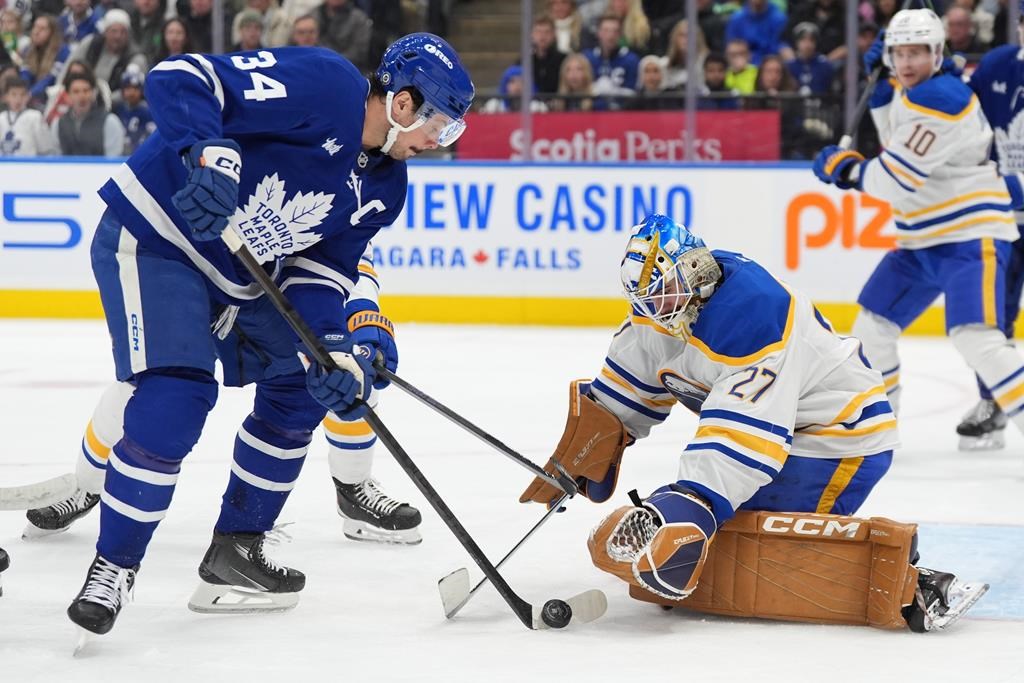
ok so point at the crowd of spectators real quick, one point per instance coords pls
(597, 55)
(72, 71)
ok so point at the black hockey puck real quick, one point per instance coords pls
(556, 613)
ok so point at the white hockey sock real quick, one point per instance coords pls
(879, 338)
(990, 354)
(350, 457)
(102, 432)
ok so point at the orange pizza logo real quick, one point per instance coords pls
(815, 220)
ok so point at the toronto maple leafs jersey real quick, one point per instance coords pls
(310, 199)
(999, 84)
(766, 375)
(935, 168)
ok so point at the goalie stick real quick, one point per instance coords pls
(40, 494)
(527, 613)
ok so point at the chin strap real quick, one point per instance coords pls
(395, 128)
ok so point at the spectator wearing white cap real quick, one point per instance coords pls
(111, 51)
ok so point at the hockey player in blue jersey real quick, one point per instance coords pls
(303, 157)
(953, 213)
(998, 81)
(794, 431)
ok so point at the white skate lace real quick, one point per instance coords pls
(108, 584)
(73, 504)
(372, 497)
(632, 534)
(278, 535)
(268, 563)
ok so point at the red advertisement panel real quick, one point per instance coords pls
(623, 136)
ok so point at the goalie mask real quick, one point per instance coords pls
(915, 27)
(667, 274)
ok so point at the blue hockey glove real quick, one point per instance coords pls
(873, 57)
(954, 65)
(342, 390)
(834, 166)
(374, 333)
(210, 195)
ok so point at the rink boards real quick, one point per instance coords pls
(499, 242)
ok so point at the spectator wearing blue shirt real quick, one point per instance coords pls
(761, 25)
(78, 21)
(615, 66)
(813, 73)
(134, 111)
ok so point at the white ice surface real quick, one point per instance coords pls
(372, 613)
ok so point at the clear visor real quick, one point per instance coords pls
(664, 301)
(438, 126)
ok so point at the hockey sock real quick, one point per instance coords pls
(266, 465)
(350, 456)
(879, 337)
(162, 423)
(998, 363)
(102, 432)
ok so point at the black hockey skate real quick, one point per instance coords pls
(106, 589)
(59, 517)
(982, 429)
(372, 515)
(238, 577)
(940, 599)
(5, 562)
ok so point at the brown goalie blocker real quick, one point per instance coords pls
(590, 448)
(805, 567)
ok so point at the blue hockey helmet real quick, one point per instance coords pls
(668, 273)
(430, 65)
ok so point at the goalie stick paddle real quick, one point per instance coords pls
(40, 494)
(561, 481)
(522, 609)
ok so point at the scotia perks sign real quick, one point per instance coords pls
(623, 136)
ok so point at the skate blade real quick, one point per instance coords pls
(34, 533)
(586, 607)
(993, 441)
(454, 590)
(962, 598)
(84, 638)
(209, 598)
(361, 531)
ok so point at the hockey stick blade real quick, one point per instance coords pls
(40, 494)
(455, 591)
(586, 607)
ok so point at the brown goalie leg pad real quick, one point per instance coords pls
(806, 567)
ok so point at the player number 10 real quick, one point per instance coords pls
(263, 87)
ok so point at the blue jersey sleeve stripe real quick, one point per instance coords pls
(632, 405)
(906, 164)
(629, 377)
(946, 217)
(735, 455)
(873, 410)
(892, 175)
(719, 414)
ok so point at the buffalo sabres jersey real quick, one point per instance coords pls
(310, 198)
(935, 169)
(766, 375)
(999, 84)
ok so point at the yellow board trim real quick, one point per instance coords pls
(358, 428)
(941, 114)
(838, 483)
(754, 443)
(950, 202)
(988, 280)
(97, 447)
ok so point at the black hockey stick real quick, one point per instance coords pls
(561, 480)
(530, 617)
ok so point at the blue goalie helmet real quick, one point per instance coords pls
(667, 274)
(429, 64)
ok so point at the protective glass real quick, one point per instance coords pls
(438, 125)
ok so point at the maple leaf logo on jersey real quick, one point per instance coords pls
(1010, 145)
(272, 227)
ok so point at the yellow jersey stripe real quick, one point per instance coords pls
(892, 381)
(653, 403)
(363, 268)
(903, 235)
(900, 172)
(838, 483)
(641, 320)
(1002, 196)
(98, 448)
(1008, 398)
(757, 355)
(940, 114)
(357, 428)
(856, 402)
(860, 431)
(988, 280)
(771, 449)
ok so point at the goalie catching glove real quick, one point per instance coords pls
(589, 451)
(645, 547)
